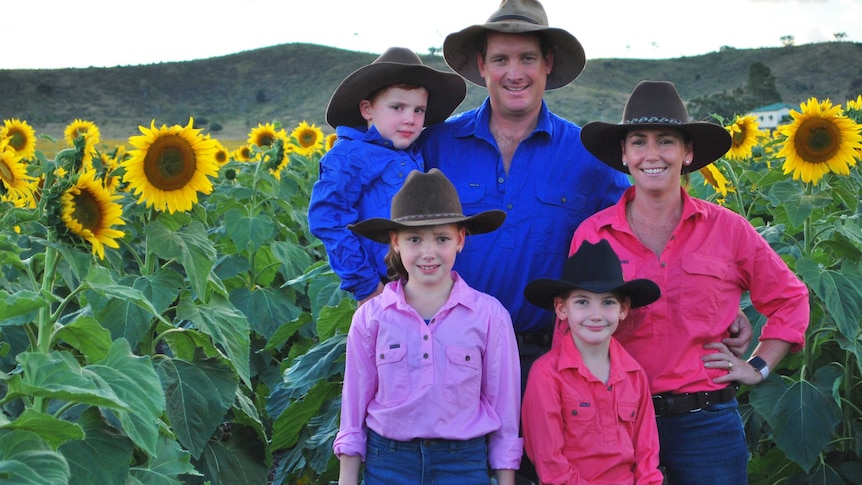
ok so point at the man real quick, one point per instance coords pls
(515, 155)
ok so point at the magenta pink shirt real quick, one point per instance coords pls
(579, 430)
(713, 256)
(457, 377)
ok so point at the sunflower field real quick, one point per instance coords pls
(166, 317)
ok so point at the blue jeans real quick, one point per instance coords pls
(706, 447)
(426, 462)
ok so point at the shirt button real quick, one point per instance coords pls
(610, 388)
(574, 412)
(501, 180)
(424, 337)
(425, 355)
(467, 358)
(562, 199)
(382, 356)
(509, 206)
(663, 264)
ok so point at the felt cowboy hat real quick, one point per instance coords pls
(516, 17)
(427, 199)
(397, 65)
(656, 104)
(595, 268)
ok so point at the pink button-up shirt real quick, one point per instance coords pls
(456, 377)
(713, 256)
(578, 429)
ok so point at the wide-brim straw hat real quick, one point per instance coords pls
(595, 268)
(427, 199)
(460, 49)
(656, 104)
(397, 65)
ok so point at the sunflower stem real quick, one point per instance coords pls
(734, 182)
(45, 317)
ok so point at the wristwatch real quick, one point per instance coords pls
(760, 366)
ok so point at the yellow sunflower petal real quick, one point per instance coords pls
(21, 137)
(309, 138)
(89, 210)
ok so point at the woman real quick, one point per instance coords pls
(703, 258)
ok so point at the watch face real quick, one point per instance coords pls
(757, 363)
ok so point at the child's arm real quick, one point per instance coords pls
(505, 477)
(348, 473)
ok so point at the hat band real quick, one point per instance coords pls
(422, 217)
(653, 119)
(503, 18)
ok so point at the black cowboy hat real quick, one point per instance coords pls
(595, 268)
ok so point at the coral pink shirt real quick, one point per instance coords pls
(457, 377)
(713, 256)
(579, 430)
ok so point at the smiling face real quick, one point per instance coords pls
(428, 253)
(592, 317)
(655, 157)
(398, 113)
(515, 72)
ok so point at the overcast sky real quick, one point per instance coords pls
(54, 34)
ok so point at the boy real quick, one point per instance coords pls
(378, 111)
(587, 414)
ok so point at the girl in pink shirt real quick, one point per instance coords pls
(432, 377)
(588, 416)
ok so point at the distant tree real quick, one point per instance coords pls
(760, 89)
(260, 97)
(215, 127)
(788, 40)
(43, 88)
(723, 104)
(839, 36)
(434, 50)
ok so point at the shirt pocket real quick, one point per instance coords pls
(579, 425)
(393, 379)
(559, 211)
(628, 414)
(708, 275)
(462, 380)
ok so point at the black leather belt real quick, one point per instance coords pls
(668, 403)
(542, 339)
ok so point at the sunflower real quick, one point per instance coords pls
(88, 210)
(14, 181)
(330, 141)
(170, 166)
(91, 135)
(265, 135)
(242, 154)
(309, 139)
(222, 156)
(745, 133)
(21, 136)
(819, 140)
(854, 105)
(713, 176)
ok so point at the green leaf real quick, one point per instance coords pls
(54, 431)
(248, 233)
(294, 258)
(26, 459)
(239, 460)
(102, 457)
(87, 336)
(99, 280)
(190, 246)
(798, 206)
(59, 376)
(334, 320)
(21, 303)
(803, 415)
(287, 426)
(228, 328)
(160, 288)
(166, 466)
(321, 362)
(198, 395)
(135, 381)
(265, 308)
(841, 294)
(284, 332)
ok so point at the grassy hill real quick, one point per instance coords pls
(292, 82)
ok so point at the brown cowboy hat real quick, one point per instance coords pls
(656, 104)
(427, 199)
(516, 17)
(397, 65)
(595, 268)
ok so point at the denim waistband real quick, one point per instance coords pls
(423, 443)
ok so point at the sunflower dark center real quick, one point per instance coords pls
(738, 137)
(265, 140)
(18, 140)
(307, 139)
(817, 140)
(87, 211)
(170, 163)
